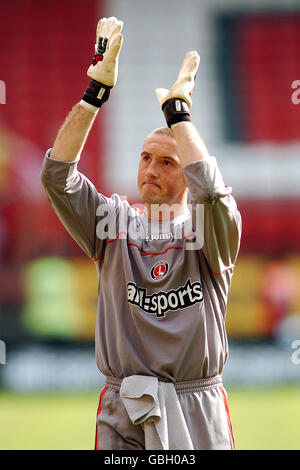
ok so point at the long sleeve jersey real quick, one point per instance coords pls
(162, 292)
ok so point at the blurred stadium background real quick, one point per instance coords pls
(248, 116)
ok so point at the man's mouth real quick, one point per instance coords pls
(151, 183)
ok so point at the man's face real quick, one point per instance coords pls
(160, 176)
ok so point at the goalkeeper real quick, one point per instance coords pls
(164, 273)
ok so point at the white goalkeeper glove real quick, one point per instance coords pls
(104, 68)
(177, 101)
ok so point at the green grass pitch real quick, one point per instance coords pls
(265, 418)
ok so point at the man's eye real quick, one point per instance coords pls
(166, 162)
(145, 158)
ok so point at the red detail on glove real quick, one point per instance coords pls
(97, 58)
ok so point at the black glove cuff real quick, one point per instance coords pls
(96, 93)
(176, 110)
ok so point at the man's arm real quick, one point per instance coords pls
(190, 145)
(216, 219)
(72, 136)
(175, 104)
(104, 72)
(72, 196)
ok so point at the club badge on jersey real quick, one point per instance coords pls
(159, 270)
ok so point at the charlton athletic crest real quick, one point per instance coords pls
(159, 270)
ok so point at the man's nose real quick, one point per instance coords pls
(152, 169)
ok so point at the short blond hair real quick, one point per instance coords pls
(164, 131)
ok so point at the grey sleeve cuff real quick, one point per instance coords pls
(57, 171)
(48, 155)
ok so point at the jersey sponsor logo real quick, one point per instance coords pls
(161, 302)
(159, 236)
(159, 270)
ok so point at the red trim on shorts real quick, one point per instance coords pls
(227, 414)
(98, 412)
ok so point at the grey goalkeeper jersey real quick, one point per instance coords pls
(163, 286)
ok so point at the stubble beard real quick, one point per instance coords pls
(153, 199)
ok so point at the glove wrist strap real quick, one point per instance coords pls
(96, 93)
(176, 110)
